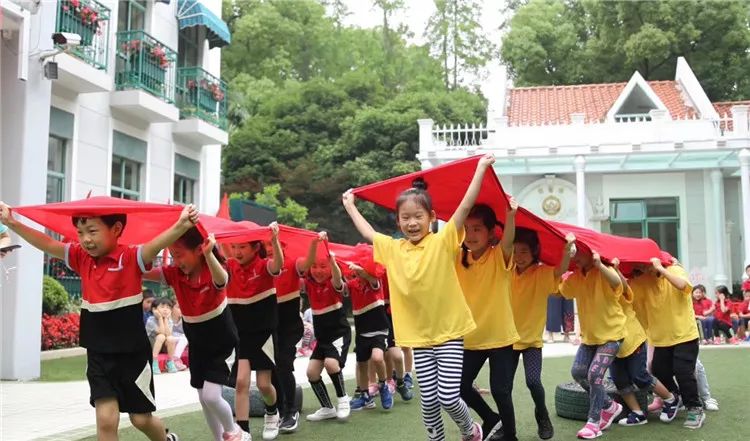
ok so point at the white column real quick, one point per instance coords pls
(745, 196)
(425, 135)
(740, 120)
(719, 236)
(580, 165)
(210, 185)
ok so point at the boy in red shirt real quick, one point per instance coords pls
(118, 350)
(704, 309)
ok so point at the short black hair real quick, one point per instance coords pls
(148, 293)
(162, 301)
(108, 219)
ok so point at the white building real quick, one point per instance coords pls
(138, 110)
(643, 159)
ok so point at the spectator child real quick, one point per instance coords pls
(704, 312)
(159, 330)
(308, 335)
(178, 330)
(723, 317)
(148, 300)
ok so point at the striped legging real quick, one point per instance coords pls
(439, 376)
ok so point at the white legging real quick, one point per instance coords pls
(439, 377)
(217, 411)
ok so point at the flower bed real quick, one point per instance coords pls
(60, 331)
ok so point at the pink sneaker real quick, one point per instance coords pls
(656, 405)
(391, 385)
(717, 340)
(608, 415)
(733, 341)
(179, 364)
(589, 431)
(374, 390)
(476, 433)
(237, 435)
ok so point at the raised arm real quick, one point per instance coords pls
(372, 280)
(37, 239)
(336, 278)
(677, 282)
(616, 266)
(723, 305)
(364, 227)
(470, 198)
(609, 274)
(312, 253)
(188, 218)
(568, 253)
(218, 273)
(277, 262)
(509, 232)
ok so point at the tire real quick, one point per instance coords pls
(572, 402)
(257, 407)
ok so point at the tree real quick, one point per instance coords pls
(288, 211)
(587, 41)
(455, 35)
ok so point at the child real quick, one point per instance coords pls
(371, 326)
(148, 300)
(429, 309)
(597, 289)
(664, 295)
(484, 272)
(722, 314)
(308, 336)
(178, 330)
(199, 281)
(531, 284)
(743, 311)
(251, 296)
(630, 366)
(704, 308)
(395, 355)
(159, 329)
(325, 287)
(290, 331)
(118, 356)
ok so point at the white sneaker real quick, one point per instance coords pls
(324, 413)
(711, 404)
(271, 426)
(343, 409)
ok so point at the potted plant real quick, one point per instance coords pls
(83, 18)
(148, 63)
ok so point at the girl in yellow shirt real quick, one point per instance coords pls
(429, 310)
(484, 271)
(532, 283)
(597, 289)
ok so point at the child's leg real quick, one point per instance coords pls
(214, 423)
(362, 372)
(314, 369)
(449, 356)
(266, 388)
(378, 361)
(372, 375)
(333, 368)
(501, 386)
(214, 403)
(700, 377)
(532, 366)
(427, 374)
(394, 360)
(581, 363)
(182, 343)
(158, 343)
(662, 367)
(408, 359)
(171, 345)
(242, 394)
(107, 419)
(473, 363)
(285, 355)
(605, 355)
(685, 356)
(149, 425)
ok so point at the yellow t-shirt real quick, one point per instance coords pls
(669, 315)
(426, 299)
(599, 310)
(529, 292)
(486, 287)
(634, 333)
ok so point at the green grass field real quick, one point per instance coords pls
(64, 369)
(403, 422)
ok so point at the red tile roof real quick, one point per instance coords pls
(724, 109)
(554, 104)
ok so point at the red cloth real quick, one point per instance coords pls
(145, 220)
(224, 208)
(701, 306)
(360, 254)
(447, 185)
(724, 316)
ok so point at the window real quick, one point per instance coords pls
(188, 48)
(126, 178)
(184, 190)
(655, 218)
(56, 169)
(131, 15)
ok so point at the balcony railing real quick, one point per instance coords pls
(90, 20)
(202, 95)
(145, 63)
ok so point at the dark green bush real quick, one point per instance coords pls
(55, 299)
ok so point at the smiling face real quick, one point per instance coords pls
(522, 255)
(186, 259)
(477, 235)
(245, 252)
(414, 220)
(320, 270)
(96, 238)
(698, 294)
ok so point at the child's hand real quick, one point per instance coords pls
(616, 262)
(570, 244)
(274, 226)
(6, 217)
(209, 244)
(356, 268)
(189, 216)
(348, 198)
(322, 236)
(486, 160)
(657, 263)
(513, 203)
(597, 259)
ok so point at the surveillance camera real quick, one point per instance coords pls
(66, 39)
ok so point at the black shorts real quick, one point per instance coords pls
(127, 377)
(391, 332)
(259, 348)
(211, 345)
(363, 346)
(286, 348)
(337, 348)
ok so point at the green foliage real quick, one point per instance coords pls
(289, 212)
(55, 299)
(590, 41)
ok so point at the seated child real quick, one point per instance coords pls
(178, 330)
(148, 300)
(704, 309)
(723, 316)
(159, 329)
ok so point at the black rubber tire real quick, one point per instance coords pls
(257, 407)
(572, 402)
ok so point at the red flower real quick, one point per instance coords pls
(75, 3)
(60, 331)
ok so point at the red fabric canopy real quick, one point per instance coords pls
(227, 231)
(447, 185)
(360, 254)
(145, 220)
(224, 208)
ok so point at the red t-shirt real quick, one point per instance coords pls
(702, 305)
(724, 316)
(199, 300)
(288, 282)
(251, 296)
(111, 313)
(368, 307)
(329, 319)
(744, 307)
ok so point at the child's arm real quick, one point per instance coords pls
(562, 268)
(336, 278)
(188, 218)
(616, 266)
(372, 280)
(312, 253)
(364, 227)
(462, 212)
(677, 282)
(710, 311)
(37, 239)
(723, 305)
(509, 232)
(218, 273)
(275, 265)
(609, 274)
